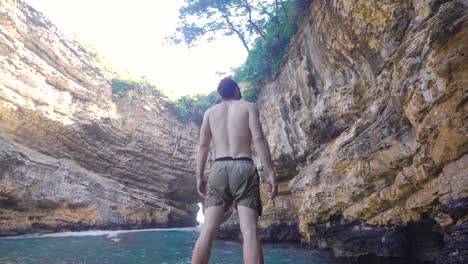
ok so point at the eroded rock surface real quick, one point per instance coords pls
(71, 156)
(368, 129)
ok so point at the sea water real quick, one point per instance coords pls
(139, 246)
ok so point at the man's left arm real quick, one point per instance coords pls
(202, 155)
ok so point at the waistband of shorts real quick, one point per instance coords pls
(231, 158)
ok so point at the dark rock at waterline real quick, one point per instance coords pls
(230, 229)
(455, 250)
(352, 242)
(280, 233)
(360, 243)
(456, 208)
(455, 236)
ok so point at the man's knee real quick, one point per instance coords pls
(248, 220)
(209, 231)
(249, 230)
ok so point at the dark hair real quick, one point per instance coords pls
(227, 88)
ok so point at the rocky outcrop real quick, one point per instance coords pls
(71, 155)
(367, 125)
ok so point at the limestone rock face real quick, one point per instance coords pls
(368, 129)
(71, 156)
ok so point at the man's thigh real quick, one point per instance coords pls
(248, 218)
(213, 217)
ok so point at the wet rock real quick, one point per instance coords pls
(455, 244)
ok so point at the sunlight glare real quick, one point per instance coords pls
(200, 216)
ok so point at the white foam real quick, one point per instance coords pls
(114, 237)
(110, 233)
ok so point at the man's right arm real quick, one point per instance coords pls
(202, 155)
(262, 148)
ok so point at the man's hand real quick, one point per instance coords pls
(201, 187)
(272, 187)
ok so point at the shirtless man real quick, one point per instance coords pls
(233, 125)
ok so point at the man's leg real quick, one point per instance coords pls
(202, 250)
(253, 253)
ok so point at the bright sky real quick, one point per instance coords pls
(131, 33)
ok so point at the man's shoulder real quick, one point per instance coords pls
(250, 106)
(211, 109)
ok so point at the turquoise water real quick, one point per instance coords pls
(149, 246)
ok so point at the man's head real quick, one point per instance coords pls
(229, 90)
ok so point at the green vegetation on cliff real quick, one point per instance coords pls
(125, 86)
(269, 50)
(186, 108)
(99, 60)
(192, 108)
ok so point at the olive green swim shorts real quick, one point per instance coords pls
(233, 181)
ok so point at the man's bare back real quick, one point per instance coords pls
(229, 125)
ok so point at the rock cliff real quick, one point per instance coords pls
(71, 155)
(367, 123)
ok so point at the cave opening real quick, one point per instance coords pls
(200, 216)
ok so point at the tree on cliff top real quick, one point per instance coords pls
(246, 19)
(264, 27)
